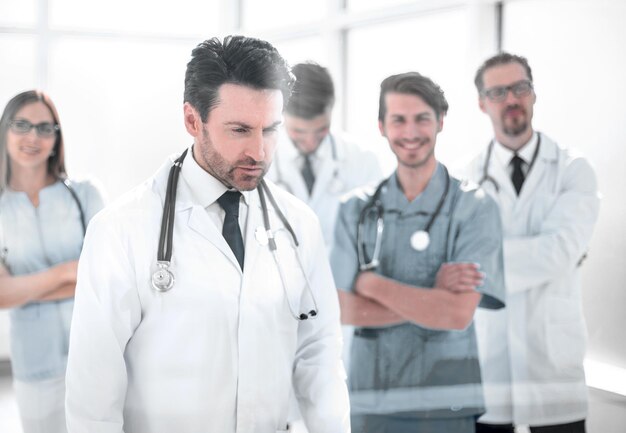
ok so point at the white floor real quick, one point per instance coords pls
(607, 411)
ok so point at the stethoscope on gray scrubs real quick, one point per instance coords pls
(420, 239)
(4, 252)
(336, 185)
(488, 178)
(163, 278)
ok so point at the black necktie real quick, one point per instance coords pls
(231, 231)
(518, 175)
(307, 173)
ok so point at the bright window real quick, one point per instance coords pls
(181, 17)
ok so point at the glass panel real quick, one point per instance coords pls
(364, 5)
(580, 86)
(18, 13)
(410, 45)
(303, 49)
(182, 17)
(121, 106)
(271, 14)
(19, 51)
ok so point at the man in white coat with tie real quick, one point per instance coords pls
(532, 351)
(314, 164)
(206, 326)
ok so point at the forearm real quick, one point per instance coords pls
(533, 261)
(63, 292)
(357, 310)
(22, 289)
(559, 242)
(432, 308)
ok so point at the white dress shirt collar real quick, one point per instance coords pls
(503, 154)
(206, 188)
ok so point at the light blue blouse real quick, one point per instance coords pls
(409, 369)
(33, 239)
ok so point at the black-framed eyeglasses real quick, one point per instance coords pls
(498, 93)
(43, 129)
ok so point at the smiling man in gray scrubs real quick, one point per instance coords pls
(414, 362)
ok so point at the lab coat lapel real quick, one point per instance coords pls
(191, 212)
(324, 178)
(290, 169)
(200, 222)
(499, 173)
(546, 157)
(255, 221)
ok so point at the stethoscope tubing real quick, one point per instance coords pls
(163, 278)
(488, 178)
(164, 252)
(376, 203)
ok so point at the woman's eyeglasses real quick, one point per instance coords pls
(44, 129)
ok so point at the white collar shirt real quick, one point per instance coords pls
(503, 155)
(207, 189)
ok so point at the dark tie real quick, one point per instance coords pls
(307, 173)
(518, 175)
(231, 231)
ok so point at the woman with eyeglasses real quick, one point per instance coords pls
(43, 217)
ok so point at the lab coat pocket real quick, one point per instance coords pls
(539, 209)
(283, 429)
(283, 276)
(566, 345)
(566, 336)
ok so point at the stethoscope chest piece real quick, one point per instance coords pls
(162, 278)
(260, 234)
(420, 240)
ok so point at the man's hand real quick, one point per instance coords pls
(459, 277)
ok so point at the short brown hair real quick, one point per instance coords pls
(413, 83)
(500, 59)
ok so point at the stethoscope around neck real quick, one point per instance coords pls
(336, 185)
(420, 239)
(163, 278)
(4, 251)
(486, 177)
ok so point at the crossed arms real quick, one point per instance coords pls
(379, 301)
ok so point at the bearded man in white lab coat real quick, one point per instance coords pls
(532, 351)
(219, 352)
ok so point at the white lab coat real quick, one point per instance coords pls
(532, 351)
(218, 353)
(353, 167)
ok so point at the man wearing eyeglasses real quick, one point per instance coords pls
(532, 351)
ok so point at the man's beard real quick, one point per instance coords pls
(223, 171)
(516, 125)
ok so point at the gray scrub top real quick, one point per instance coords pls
(34, 239)
(409, 369)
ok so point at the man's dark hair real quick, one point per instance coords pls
(413, 83)
(497, 60)
(314, 92)
(236, 60)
